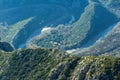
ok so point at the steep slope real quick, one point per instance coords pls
(44, 64)
(4, 64)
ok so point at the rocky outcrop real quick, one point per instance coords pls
(55, 72)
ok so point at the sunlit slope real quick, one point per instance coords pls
(53, 64)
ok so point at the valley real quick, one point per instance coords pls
(59, 39)
(75, 28)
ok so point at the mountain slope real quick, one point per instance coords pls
(77, 23)
(52, 64)
(87, 32)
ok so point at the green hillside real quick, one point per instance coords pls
(51, 64)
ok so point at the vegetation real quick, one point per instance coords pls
(34, 64)
(22, 20)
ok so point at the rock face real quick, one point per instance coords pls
(6, 47)
(51, 64)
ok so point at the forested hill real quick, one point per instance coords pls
(52, 64)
